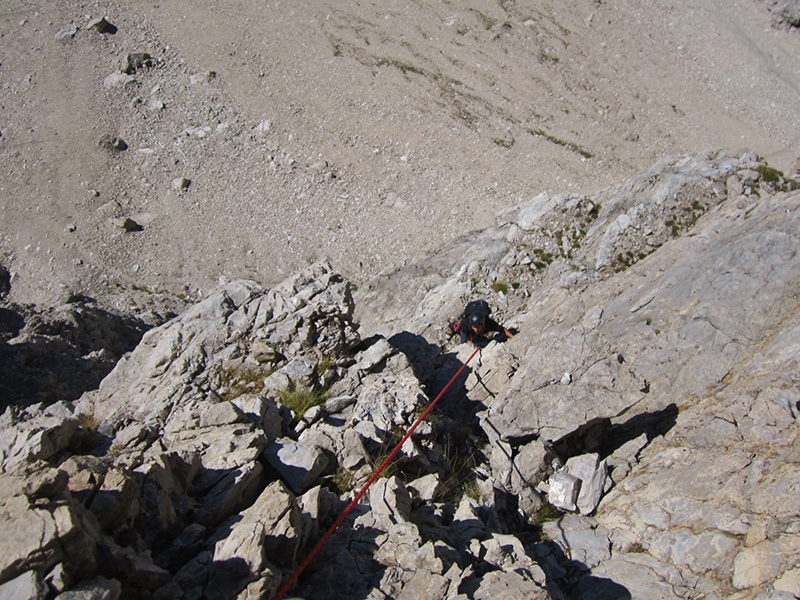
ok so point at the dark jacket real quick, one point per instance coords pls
(466, 333)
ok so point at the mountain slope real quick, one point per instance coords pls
(368, 135)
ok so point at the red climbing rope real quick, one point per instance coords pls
(307, 560)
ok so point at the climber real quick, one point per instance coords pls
(475, 323)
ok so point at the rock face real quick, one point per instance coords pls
(636, 439)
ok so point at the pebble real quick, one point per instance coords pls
(181, 184)
(67, 33)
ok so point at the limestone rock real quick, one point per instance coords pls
(99, 587)
(390, 502)
(264, 535)
(136, 61)
(33, 438)
(67, 33)
(508, 585)
(581, 539)
(41, 526)
(299, 465)
(101, 25)
(426, 487)
(592, 474)
(374, 355)
(181, 184)
(563, 490)
(117, 80)
(28, 585)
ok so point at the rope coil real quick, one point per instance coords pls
(323, 540)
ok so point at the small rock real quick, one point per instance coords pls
(563, 491)
(126, 223)
(313, 414)
(427, 487)
(67, 33)
(206, 77)
(390, 501)
(144, 218)
(101, 25)
(299, 465)
(113, 143)
(137, 61)
(264, 126)
(181, 184)
(338, 404)
(117, 80)
(748, 177)
(592, 473)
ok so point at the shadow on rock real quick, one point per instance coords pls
(574, 579)
(11, 323)
(345, 569)
(60, 353)
(605, 438)
(599, 588)
(423, 356)
(651, 424)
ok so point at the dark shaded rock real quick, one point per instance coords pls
(113, 143)
(102, 25)
(137, 61)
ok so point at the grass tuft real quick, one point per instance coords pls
(547, 512)
(343, 481)
(242, 380)
(88, 422)
(500, 287)
(299, 398)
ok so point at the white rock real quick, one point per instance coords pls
(564, 490)
(592, 473)
(116, 80)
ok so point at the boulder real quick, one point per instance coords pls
(266, 534)
(390, 502)
(299, 465)
(591, 472)
(26, 438)
(509, 585)
(41, 526)
(563, 490)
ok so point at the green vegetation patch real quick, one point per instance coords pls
(776, 179)
(500, 287)
(343, 481)
(461, 479)
(299, 398)
(546, 513)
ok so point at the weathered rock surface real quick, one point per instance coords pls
(636, 439)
